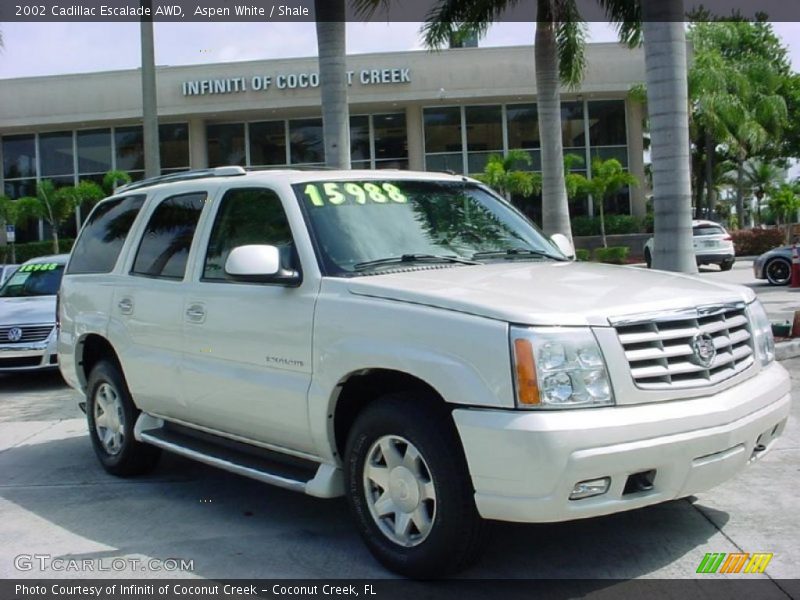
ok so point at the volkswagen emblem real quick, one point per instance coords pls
(703, 350)
(14, 334)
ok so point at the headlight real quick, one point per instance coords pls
(559, 368)
(762, 333)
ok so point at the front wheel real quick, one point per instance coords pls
(111, 415)
(409, 489)
(778, 271)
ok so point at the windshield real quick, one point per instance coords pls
(358, 223)
(38, 279)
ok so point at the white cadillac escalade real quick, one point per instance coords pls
(411, 341)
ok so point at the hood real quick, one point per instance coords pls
(27, 310)
(547, 293)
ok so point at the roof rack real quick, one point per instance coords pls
(228, 171)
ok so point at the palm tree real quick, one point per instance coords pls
(331, 44)
(559, 58)
(667, 99)
(608, 178)
(152, 159)
(501, 174)
(762, 177)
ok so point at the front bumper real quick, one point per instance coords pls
(29, 356)
(524, 465)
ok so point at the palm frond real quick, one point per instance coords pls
(571, 43)
(449, 16)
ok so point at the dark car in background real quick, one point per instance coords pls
(775, 266)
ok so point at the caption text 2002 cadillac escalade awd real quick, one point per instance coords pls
(411, 341)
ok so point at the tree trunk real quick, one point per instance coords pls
(602, 222)
(555, 208)
(667, 101)
(331, 37)
(740, 194)
(56, 249)
(699, 188)
(152, 158)
(710, 193)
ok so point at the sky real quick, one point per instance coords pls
(33, 49)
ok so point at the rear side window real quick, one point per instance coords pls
(103, 235)
(708, 230)
(164, 248)
(248, 216)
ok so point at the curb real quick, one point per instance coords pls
(787, 350)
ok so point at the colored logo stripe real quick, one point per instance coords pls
(714, 562)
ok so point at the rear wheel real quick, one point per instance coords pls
(778, 271)
(648, 258)
(409, 488)
(111, 415)
(726, 265)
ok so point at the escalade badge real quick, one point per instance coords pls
(14, 334)
(703, 349)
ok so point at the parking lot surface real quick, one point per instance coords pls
(55, 500)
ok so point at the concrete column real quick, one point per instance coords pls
(634, 117)
(416, 146)
(198, 144)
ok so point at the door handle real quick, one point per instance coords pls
(125, 306)
(196, 313)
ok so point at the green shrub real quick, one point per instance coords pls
(585, 226)
(582, 255)
(752, 242)
(31, 250)
(615, 225)
(615, 255)
(623, 224)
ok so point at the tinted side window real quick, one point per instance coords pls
(103, 235)
(248, 216)
(165, 244)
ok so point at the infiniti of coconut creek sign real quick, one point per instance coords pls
(290, 81)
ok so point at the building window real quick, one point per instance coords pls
(173, 146)
(94, 151)
(129, 144)
(226, 145)
(443, 141)
(608, 131)
(19, 156)
(573, 134)
(56, 154)
(360, 154)
(390, 141)
(268, 143)
(522, 124)
(305, 142)
(484, 125)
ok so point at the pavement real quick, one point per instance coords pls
(56, 501)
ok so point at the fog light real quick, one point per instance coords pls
(589, 488)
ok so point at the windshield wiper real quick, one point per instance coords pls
(412, 258)
(513, 253)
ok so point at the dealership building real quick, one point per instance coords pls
(436, 111)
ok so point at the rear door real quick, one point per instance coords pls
(247, 364)
(148, 303)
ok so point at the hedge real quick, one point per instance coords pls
(582, 255)
(31, 250)
(615, 255)
(615, 225)
(752, 242)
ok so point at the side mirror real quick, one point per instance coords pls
(259, 263)
(564, 245)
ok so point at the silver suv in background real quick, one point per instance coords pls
(28, 315)
(713, 245)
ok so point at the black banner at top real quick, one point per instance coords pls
(303, 10)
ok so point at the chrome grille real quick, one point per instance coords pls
(30, 333)
(661, 348)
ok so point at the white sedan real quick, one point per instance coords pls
(712, 246)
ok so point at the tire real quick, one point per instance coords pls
(111, 415)
(648, 258)
(778, 271)
(726, 265)
(436, 492)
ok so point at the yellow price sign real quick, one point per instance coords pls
(336, 193)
